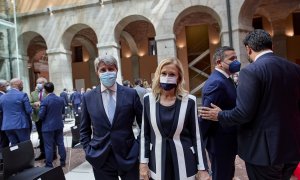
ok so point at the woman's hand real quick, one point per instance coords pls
(202, 175)
(144, 171)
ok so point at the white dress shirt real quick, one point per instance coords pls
(105, 95)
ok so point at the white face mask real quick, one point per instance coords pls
(168, 79)
(8, 88)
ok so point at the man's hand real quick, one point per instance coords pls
(209, 113)
(144, 171)
(36, 104)
(202, 175)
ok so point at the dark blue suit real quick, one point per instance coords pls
(17, 111)
(64, 95)
(76, 99)
(4, 142)
(221, 143)
(268, 112)
(108, 142)
(51, 111)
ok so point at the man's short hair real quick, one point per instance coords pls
(106, 59)
(49, 87)
(258, 40)
(220, 53)
(138, 82)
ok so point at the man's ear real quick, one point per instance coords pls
(218, 62)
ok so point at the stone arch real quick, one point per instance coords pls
(197, 31)
(70, 32)
(127, 20)
(25, 38)
(34, 47)
(195, 9)
(133, 34)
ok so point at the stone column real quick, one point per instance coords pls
(94, 77)
(20, 70)
(135, 66)
(279, 37)
(238, 36)
(60, 69)
(166, 46)
(4, 68)
(112, 48)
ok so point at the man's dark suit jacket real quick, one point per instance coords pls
(99, 137)
(64, 95)
(219, 90)
(51, 110)
(268, 112)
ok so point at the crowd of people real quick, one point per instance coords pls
(254, 114)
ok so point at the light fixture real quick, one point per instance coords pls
(49, 10)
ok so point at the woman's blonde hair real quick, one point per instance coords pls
(180, 91)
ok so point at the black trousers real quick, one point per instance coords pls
(110, 171)
(275, 172)
(222, 166)
(38, 125)
(4, 142)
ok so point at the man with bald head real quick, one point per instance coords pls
(16, 111)
(3, 138)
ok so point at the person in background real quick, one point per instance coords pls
(51, 112)
(267, 111)
(140, 89)
(76, 101)
(170, 145)
(64, 96)
(221, 143)
(4, 142)
(16, 110)
(106, 133)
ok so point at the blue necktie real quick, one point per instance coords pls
(111, 106)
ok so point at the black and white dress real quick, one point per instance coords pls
(170, 139)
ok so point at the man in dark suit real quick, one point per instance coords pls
(51, 112)
(76, 99)
(267, 110)
(16, 111)
(110, 109)
(4, 142)
(64, 95)
(219, 89)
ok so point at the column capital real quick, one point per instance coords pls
(58, 51)
(165, 37)
(108, 45)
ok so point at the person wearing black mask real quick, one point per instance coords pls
(221, 143)
(170, 135)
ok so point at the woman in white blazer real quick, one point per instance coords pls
(170, 146)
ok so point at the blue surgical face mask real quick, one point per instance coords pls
(234, 67)
(39, 86)
(168, 83)
(108, 79)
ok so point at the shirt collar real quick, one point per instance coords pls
(262, 53)
(112, 88)
(222, 72)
